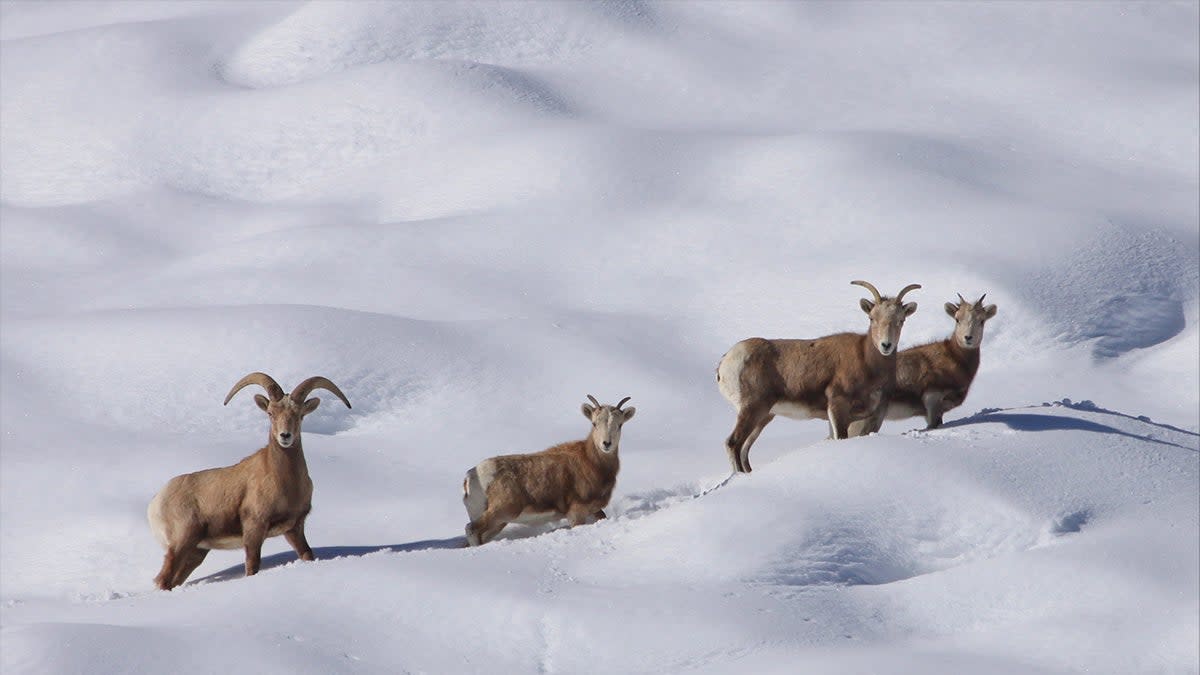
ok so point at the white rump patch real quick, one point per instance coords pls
(475, 494)
(486, 471)
(158, 524)
(729, 373)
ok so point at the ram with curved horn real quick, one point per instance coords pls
(934, 378)
(572, 480)
(841, 378)
(265, 495)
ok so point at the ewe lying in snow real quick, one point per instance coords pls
(841, 378)
(935, 377)
(571, 480)
(266, 494)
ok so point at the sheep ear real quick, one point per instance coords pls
(951, 309)
(989, 311)
(866, 305)
(629, 413)
(588, 411)
(262, 401)
(311, 405)
(910, 308)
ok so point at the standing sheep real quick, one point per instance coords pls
(841, 378)
(265, 495)
(934, 378)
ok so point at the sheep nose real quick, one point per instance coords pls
(968, 338)
(608, 444)
(285, 436)
(885, 345)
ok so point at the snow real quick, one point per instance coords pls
(469, 215)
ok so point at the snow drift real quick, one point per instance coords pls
(470, 215)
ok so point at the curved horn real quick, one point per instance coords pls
(594, 401)
(274, 391)
(623, 401)
(910, 287)
(317, 382)
(961, 299)
(869, 287)
(979, 302)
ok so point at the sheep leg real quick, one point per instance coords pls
(870, 425)
(472, 538)
(174, 559)
(858, 428)
(253, 535)
(750, 421)
(580, 515)
(484, 528)
(166, 575)
(188, 564)
(933, 409)
(295, 537)
(733, 447)
(745, 453)
(839, 416)
(489, 534)
(599, 515)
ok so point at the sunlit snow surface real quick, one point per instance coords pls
(471, 215)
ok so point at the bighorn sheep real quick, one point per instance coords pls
(841, 377)
(935, 377)
(573, 480)
(266, 494)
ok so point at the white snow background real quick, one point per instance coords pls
(471, 215)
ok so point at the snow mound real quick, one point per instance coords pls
(1152, 277)
(998, 515)
(323, 38)
(470, 215)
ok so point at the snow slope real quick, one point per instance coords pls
(471, 214)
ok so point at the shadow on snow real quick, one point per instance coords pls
(1019, 421)
(1029, 421)
(512, 531)
(330, 552)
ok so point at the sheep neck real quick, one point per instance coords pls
(967, 358)
(875, 360)
(607, 462)
(286, 461)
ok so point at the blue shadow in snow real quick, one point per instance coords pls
(1036, 422)
(1092, 407)
(1071, 522)
(329, 552)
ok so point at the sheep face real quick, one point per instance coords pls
(286, 416)
(887, 318)
(606, 425)
(969, 319)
